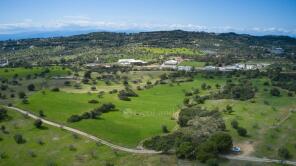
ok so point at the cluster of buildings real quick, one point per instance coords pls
(237, 66)
(173, 64)
(4, 63)
(131, 62)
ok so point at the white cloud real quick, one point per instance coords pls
(86, 23)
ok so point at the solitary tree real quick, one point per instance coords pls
(19, 139)
(164, 129)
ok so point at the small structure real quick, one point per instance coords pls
(130, 62)
(210, 68)
(184, 68)
(277, 51)
(4, 63)
(170, 64)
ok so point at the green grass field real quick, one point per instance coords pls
(56, 151)
(134, 121)
(22, 72)
(171, 51)
(192, 63)
(55, 148)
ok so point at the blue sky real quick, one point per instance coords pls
(242, 16)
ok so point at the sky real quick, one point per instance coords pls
(258, 17)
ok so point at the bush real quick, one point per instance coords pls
(275, 92)
(55, 89)
(185, 150)
(241, 131)
(206, 151)
(290, 94)
(93, 101)
(41, 114)
(3, 113)
(164, 129)
(222, 141)
(38, 123)
(19, 139)
(31, 87)
(284, 153)
(67, 83)
(22, 95)
(234, 124)
(74, 118)
(212, 162)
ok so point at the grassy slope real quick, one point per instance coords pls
(136, 120)
(55, 149)
(22, 72)
(258, 118)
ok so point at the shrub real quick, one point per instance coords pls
(19, 139)
(185, 150)
(31, 87)
(212, 162)
(72, 148)
(234, 124)
(241, 131)
(25, 101)
(222, 141)
(284, 153)
(41, 114)
(290, 94)
(67, 83)
(206, 151)
(74, 118)
(22, 95)
(93, 101)
(3, 113)
(275, 92)
(55, 89)
(38, 123)
(164, 129)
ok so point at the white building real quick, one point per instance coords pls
(184, 68)
(130, 61)
(4, 63)
(171, 62)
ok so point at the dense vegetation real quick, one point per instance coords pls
(108, 47)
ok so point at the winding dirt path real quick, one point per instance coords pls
(54, 124)
(142, 151)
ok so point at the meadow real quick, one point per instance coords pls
(192, 63)
(134, 121)
(55, 149)
(22, 72)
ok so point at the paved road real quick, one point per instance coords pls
(139, 151)
(255, 159)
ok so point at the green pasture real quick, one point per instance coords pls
(170, 51)
(134, 121)
(22, 72)
(192, 63)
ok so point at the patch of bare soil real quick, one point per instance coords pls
(247, 148)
